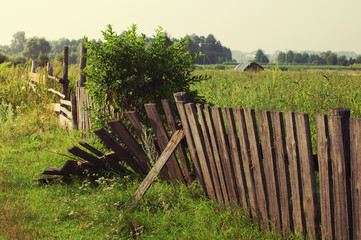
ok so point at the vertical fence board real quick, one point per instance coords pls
(282, 171)
(162, 138)
(247, 162)
(266, 136)
(224, 154)
(201, 152)
(208, 146)
(257, 165)
(65, 72)
(324, 163)
(340, 193)
(170, 115)
(216, 154)
(310, 203)
(190, 142)
(294, 165)
(355, 140)
(236, 156)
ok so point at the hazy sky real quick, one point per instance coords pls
(318, 25)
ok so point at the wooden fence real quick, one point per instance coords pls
(265, 163)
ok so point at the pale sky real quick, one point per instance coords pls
(271, 25)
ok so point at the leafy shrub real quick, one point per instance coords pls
(125, 71)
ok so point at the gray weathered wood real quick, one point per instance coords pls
(215, 148)
(200, 148)
(208, 146)
(122, 154)
(355, 147)
(247, 162)
(82, 65)
(57, 93)
(266, 136)
(74, 112)
(295, 174)
(257, 165)
(162, 139)
(324, 166)
(282, 171)
(224, 155)
(340, 189)
(310, 203)
(166, 154)
(132, 145)
(171, 120)
(236, 156)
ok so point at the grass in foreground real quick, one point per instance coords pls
(84, 209)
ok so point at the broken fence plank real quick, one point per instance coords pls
(166, 154)
(87, 157)
(92, 149)
(56, 92)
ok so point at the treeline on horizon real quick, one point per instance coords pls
(213, 52)
(21, 49)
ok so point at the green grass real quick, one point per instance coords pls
(30, 141)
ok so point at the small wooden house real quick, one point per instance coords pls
(251, 66)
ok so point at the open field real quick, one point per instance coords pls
(30, 140)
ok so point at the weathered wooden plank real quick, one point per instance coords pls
(136, 123)
(282, 171)
(74, 112)
(132, 145)
(208, 146)
(66, 112)
(310, 203)
(113, 162)
(58, 80)
(266, 136)
(65, 102)
(162, 139)
(295, 175)
(164, 157)
(65, 82)
(324, 166)
(87, 157)
(215, 148)
(91, 149)
(355, 147)
(34, 77)
(247, 162)
(201, 152)
(190, 142)
(258, 171)
(340, 193)
(171, 120)
(64, 121)
(236, 156)
(120, 151)
(56, 92)
(224, 155)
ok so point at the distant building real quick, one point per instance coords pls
(251, 66)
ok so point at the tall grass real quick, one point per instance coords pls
(31, 140)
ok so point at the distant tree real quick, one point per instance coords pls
(305, 57)
(297, 58)
(290, 56)
(3, 57)
(351, 61)
(281, 57)
(5, 49)
(43, 59)
(18, 43)
(342, 60)
(331, 59)
(358, 59)
(34, 46)
(261, 57)
(325, 55)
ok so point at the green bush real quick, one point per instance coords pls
(125, 71)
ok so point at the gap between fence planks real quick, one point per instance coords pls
(166, 154)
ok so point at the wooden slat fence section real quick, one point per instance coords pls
(282, 171)
(355, 149)
(308, 179)
(266, 136)
(324, 163)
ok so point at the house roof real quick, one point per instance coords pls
(244, 66)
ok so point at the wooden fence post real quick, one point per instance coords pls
(340, 155)
(82, 79)
(33, 66)
(65, 72)
(49, 69)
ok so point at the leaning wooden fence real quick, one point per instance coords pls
(263, 161)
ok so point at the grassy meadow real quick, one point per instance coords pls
(31, 140)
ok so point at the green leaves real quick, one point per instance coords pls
(127, 70)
